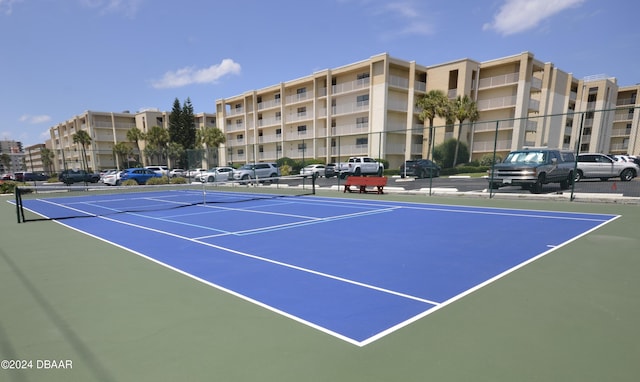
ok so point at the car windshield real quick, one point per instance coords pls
(525, 157)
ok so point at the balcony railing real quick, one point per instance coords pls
(350, 86)
(496, 103)
(505, 79)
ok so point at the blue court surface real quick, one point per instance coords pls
(354, 269)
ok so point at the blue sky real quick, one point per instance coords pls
(59, 58)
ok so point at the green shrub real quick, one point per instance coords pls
(129, 182)
(7, 187)
(157, 181)
(178, 180)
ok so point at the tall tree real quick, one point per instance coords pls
(433, 104)
(211, 138)
(182, 127)
(463, 109)
(135, 135)
(5, 159)
(157, 139)
(47, 159)
(84, 139)
(122, 152)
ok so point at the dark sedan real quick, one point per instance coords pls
(420, 168)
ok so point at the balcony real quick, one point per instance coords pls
(269, 104)
(300, 97)
(353, 107)
(496, 103)
(235, 111)
(487, 146)
(350, 86)
(398, 82)
(503, 80)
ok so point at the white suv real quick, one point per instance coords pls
(256, 171)
(604, 167)
(162, 170)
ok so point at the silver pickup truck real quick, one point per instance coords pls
(533, 168)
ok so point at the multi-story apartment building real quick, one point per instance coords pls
(33, 158)
(367, 108)
(106, 129)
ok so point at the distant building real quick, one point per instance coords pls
(106, 129)
(12, 150)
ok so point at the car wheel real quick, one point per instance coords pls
(536, 188)
(211, 178)
(565, 184)
(579, 176)
(357, 172)
(379, 172)
(626, 175)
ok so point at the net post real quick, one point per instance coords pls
(19, 210)
(313, 184)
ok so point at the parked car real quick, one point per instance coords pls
(33, 176)
(316, 170)
(194, 173)
(216, 174)
(330, 170)
(77, 176)
(420, 168)
(256, 171)
(7, 176)
(532, 168)
(111, 178)
(139, 175)
(177, 173)
(595, 165)
(162, 170)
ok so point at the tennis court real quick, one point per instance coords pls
(351, 270)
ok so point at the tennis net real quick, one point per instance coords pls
(56, 202)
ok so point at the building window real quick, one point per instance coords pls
(302, 130)
(302, 146)
(362, 142)
(278, 132)
(362, 122)
(240, 137)
(278, 116)
(238, 122)
(363, 100)
(240, 151)
(276, 97)
(302, 111)
(363, 76)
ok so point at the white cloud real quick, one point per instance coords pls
(409, 16)
(190, 75)
(127, 7)
(35, 119)
(517, 16)
(6, 6)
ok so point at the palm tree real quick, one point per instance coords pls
(174, 151)
(157, 138)
(210, 137)
(135, 135)
(433, 104)
(47, 159)
(463, 108)
(122, 151)
(83, 138)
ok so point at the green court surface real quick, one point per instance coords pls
(105, 314)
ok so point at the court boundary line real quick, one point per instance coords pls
(435, 306)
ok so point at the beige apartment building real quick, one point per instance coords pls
(106, 129)
(367, 108)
